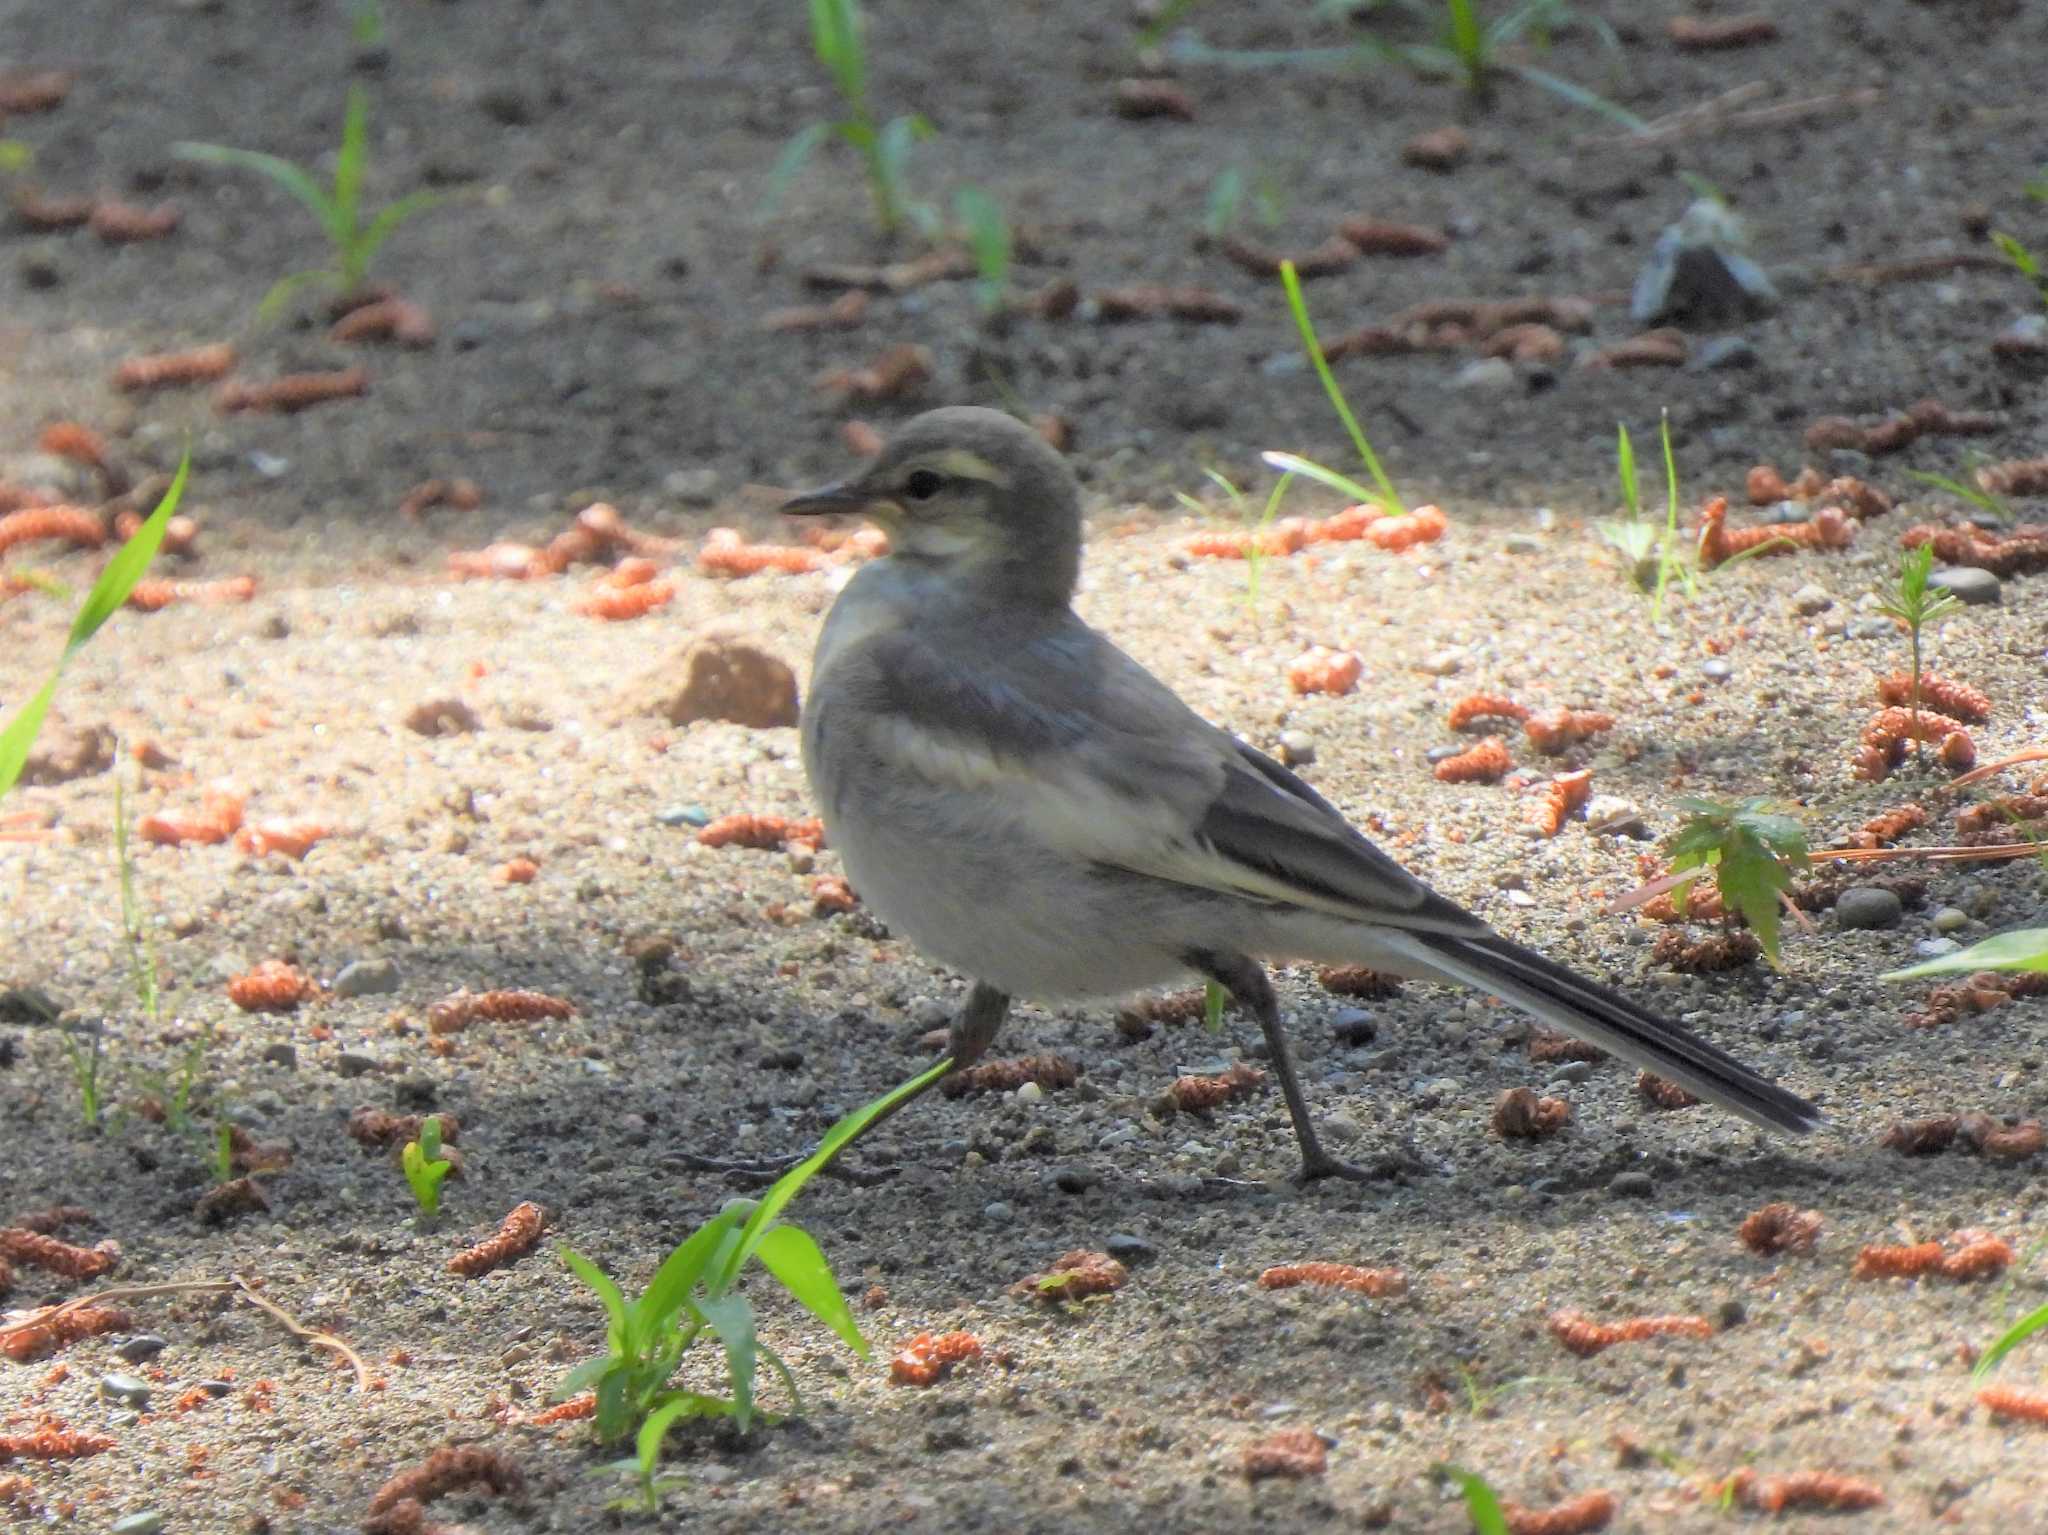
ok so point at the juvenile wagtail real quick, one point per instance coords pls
(1031, 807)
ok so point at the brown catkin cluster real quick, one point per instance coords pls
(1488, 762)
(1803, 1489)
(1899, 430)
(515, 1236)
(1941, 695)
(1378, 1283)
(1074, 1275)
(448, 1469)
(1547, 1046)
(1051, 1072)
(47, 1252)
(1559, 730)
(1518, 1114)
(1290, 1452)
(1830, 528)
(1965, 1256)
(926, 1360)
(1478, 707)
(1191, 1093)
(1587, 1512)
(1659, 1093)
(1707, 954)
(1357, 981)
(458, 1010)
(46, 1331)
(770, 833)
(1583, 1336)
(2023, 551)
(375, 1127)
(1778, 1228)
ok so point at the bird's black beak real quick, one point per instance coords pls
(846, 496)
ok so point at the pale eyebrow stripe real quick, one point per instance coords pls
(964, 465)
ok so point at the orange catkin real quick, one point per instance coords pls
(272, 987)
(1475, 707)
(1291, 1452)
(1777, 1228)
(72, 524)
(1424, 525)
(616, 602)
(1321, 670)
(2008, 1403)
(1804, 1489)
(46, 1252)
(46, 1331)
(1378, 1283)
(292, 392)
(275, 834)
(1564, 797)
(150, 596)
(516, 1235)
(52, 1442)
(1583, 1336)
(1050, 1072)
(1560, 729)
(161, 370)
(926, 1360)
(768, 833)
(79, 443)
(218, 818)
(1488, 762)
(1938, 695)
(1194, 1093)
(1074, 1275)
(1831, 528)
(448, 1469)
(1587, 1512)
(458, 1010)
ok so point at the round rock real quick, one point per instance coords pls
(1868, 906)
(1967, 583)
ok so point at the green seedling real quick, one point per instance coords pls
(1977, 496)
(15, 157)
(1752, 852)
(85, 1062)
(222, 1161)
(425, 1167)
(1464, 48)
(1227, 194)
(694, 1292)
(2023, 949)
(354, 240)
(366, 25)
(1916, 604)
(2024, 261)
(2025, 1328)
(1479, 1398)
(884, 148)
(981, 219)
(1214, 1000)
(1481, 1501)
(1381, 493)
(1165, 18)
(115, 582)
(1655, 556)
(1255, 525)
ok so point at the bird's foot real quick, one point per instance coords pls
(1319, 1164)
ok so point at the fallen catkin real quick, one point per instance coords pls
(46, 1331)
(1519, 1115)
(1074, 1275)
(1209, 1092)
(1050, 1072)
(1778, 1228)
(1804, 1489)
(272, 987)
(1585, 1337)
(459, 1009)
(1290, 1452)
(1559, 730)
(515, 1236)
(1356, 981)
(1564, 797)
(1938, 695)
(1378, 1283)
(1967, 1255)
(769, 833)
(1587, 1512)
(1475, 707)
(1488, 762)
(926, 1360)
(1661, 1093)
(2008, 1403)
(449, 1469)
(53, 1442)
(69, 524)
(46, 1252)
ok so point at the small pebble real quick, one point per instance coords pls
(141, 1348)
(1445, 663)
(1951, 918)
(998, 1213)
(1717, 668)
(367, 978)
(282, 1053)
(353, 1063)
(1968, 584)
(1073, 1180)
(1811, 599)
(683, 815)
(1126, 1248)
(128, 1390)
(147, 1522)
(1934, 948)
(1872, 629)
(1353, 1026)
(1868, 906)
(1487, 374)
(1031, 1092)
(1633, 1184)
(1297, 748)
(1522, 543)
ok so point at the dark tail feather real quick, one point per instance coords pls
(1606, 1018)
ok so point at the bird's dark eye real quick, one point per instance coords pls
(923, 484)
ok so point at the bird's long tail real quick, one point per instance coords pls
(1604, 1017)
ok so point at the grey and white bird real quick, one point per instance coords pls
(1031, 807)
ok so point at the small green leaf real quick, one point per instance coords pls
(350, 164)
(732, 1318)
(1625, 470)
(790, 161)
(127, 565)
(794, 1258)
(19, 738)
(1225, 194)
(1290, 283)
(678, 1275)
(2012, 1338)
(1480, 1500)
(1213, 999)
(287, 175)
(583, 1377)
(1344, 485)
(365, 245)
(2024, 949)
(647, 1443)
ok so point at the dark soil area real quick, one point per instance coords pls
(599, 273)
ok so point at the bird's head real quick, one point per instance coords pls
(972, 493)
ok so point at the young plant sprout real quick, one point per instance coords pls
(884, 148)
(1916, 604)
(1255, 525)
(1752, 852)
(1640, 541)
(988, 236)
(695, 1293)
(1381, 493)
(354, 242)
(1993, 506)
(1482, 1503)
(425, 1167)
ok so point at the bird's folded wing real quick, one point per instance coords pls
(1088, 753)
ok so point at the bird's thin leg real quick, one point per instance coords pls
(973, 1031)
(1245, 979)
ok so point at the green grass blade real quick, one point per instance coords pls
(1579, 96)
(607, 1292)
(732, 1318)
(796, 1397)
(797, 1262)
(21, 731)
(127, 565)
(1225, 194)
(1298, 306)
(582, 1378)
(835, 1140)
(1480, 1500)
(1464, 37)
(1344, 485)
(2012, 1338)
(388, 219)
(2026, 949)
(790, 161)
(1970, 493)
(1625, 468)
(835, 34)
(350, 165)
(287, 175)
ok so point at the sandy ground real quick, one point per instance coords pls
(596, 282)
